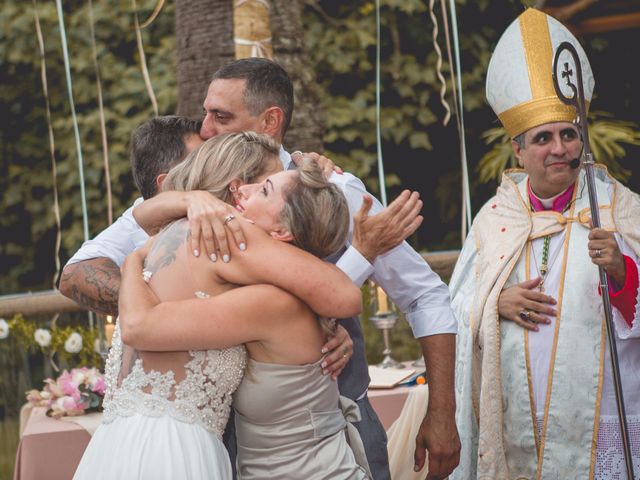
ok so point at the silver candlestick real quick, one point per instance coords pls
(385, 321)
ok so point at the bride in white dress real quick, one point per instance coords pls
(164, 413)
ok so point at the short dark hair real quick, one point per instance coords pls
(519, 139)
(267, 84)
(156, 146)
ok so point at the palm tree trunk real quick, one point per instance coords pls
(204, 37)
(307, 127)
(204, 33)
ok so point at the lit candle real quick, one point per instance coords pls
(109, 327)
(383, 303)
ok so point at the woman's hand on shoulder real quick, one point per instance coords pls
(209, 221)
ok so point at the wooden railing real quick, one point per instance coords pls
(52, 301)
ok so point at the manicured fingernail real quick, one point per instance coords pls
(323, 365)
(225, 258)
(415, 468)
(242, 247)
(213, 257)
(196, 253)
(324, 372)
(323, 350)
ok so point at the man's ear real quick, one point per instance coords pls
(273, 121)
(282, 234)
(159, 181)
(517, 151)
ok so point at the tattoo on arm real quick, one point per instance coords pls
(164, 249)
(94, 284)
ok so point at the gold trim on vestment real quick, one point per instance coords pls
(536, 42)
(475, 404)
(596, 418)
(555, 337)
(527, 359)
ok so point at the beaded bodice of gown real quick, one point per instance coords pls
(198, 389)
(190, 386)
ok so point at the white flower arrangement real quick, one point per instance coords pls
(42, 336)
(4, 329)
(73, 343)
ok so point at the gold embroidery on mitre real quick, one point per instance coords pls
(532, 113)
(544, 106)
(536, 39)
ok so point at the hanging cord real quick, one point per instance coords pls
(143, 59)
(383, 187)
(466, 196)
(154, 15)
(103, 127)
(443, 82)
(445, 23)
(52, 146)
(83, 196)
(67, 69)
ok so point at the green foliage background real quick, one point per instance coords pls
(341, 39)
(27, 223)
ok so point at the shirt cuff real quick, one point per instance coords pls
(625, 299)
(357, 268)
(432, 321)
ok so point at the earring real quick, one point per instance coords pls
(233, 189)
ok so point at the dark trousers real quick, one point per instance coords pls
(375, 440)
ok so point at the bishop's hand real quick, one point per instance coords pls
(525, 305)
(604, 252)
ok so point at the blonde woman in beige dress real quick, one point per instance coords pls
(165, 411)
(291, 422)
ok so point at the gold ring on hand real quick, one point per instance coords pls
(228, 218)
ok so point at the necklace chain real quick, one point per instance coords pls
(545, 266)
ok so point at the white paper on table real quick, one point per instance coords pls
(388, 377)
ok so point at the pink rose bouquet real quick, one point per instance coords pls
(73, 393)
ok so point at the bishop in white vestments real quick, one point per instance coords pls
(534, 389)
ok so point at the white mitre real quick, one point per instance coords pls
(519, 79)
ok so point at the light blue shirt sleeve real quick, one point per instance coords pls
(115, 242)
(402, 272)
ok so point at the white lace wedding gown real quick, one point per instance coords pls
(164, 415)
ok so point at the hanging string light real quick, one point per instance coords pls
(383, 186)
(76, 131)
(143, 59)
(466, 195)
(52, 146)
(103, 127)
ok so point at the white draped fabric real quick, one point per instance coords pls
(556, 416)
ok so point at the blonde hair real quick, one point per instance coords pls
(315, 212)
(317, 215)
(220, 160)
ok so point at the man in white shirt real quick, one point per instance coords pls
(92, 275)
(256, 94)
